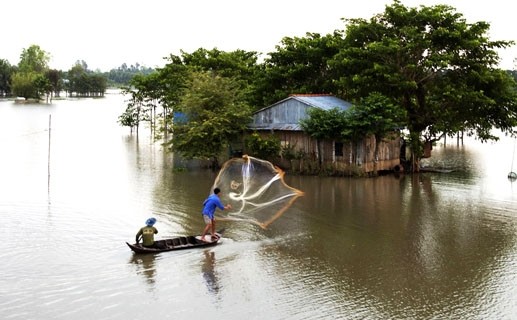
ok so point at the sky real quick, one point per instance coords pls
(107, 33)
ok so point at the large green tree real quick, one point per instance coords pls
(34, 59)
(145, 94)
(6, 71)
(440, 69)
(30, 80)
(24, 84)
(83, 82)
(240, 65)
(375, 115)
(324, 124)
(214, 115)
(55, 77)
(168, 86)
(300, 65)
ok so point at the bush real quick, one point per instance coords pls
(264, 148)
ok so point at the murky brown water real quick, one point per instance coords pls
(430, 246)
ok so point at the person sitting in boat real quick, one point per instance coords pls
(147, 233)
(209, 206)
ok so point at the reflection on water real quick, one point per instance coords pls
(436, 255)
(145, 266)
(209, 274)
(426, 246)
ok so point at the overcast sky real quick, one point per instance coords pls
(107, 33)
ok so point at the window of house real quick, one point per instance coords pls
(338, 149)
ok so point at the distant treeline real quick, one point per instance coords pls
(123, 74)
(33, 79)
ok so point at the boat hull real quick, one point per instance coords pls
(176, 243)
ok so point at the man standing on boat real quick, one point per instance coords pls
(209, 206)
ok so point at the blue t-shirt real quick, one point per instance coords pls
(210, 204)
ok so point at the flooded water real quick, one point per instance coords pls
(427, 246)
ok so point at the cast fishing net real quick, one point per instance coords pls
(256, 190)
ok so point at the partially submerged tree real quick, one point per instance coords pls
(24, 84)
(85, 83)
(6, 71)
(55, 77)
(375, 115)
(268, 147)
(30, 81)
(215, 114)
(136, 111)
(436, 66)
(43, 86)
(205, 98)
(324, 124)
(167, 86)
(144, 99)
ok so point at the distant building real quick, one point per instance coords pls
(283, 120)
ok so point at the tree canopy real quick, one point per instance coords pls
(33, 78)
(85, 83)
(422, 69)
(6, 71)
(324, 124)
(440, 69)
(215, 114)
(29, 80)
(300, 65)
(374, 115)
(33, 59)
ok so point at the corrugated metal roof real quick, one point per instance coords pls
(326, 102)
(277, 126)
(285, 114)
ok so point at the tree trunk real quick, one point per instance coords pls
(215, 164)
(415, 162)
(318, 145)
(417, 148)
(165, 123)
(376, 155)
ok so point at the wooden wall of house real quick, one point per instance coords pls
(359, 156)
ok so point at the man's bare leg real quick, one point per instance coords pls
(213, 229)
(204, 232)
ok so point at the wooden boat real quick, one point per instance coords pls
(178, 243)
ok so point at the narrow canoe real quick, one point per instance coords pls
(177, 243)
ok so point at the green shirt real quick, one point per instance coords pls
(147, 234)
